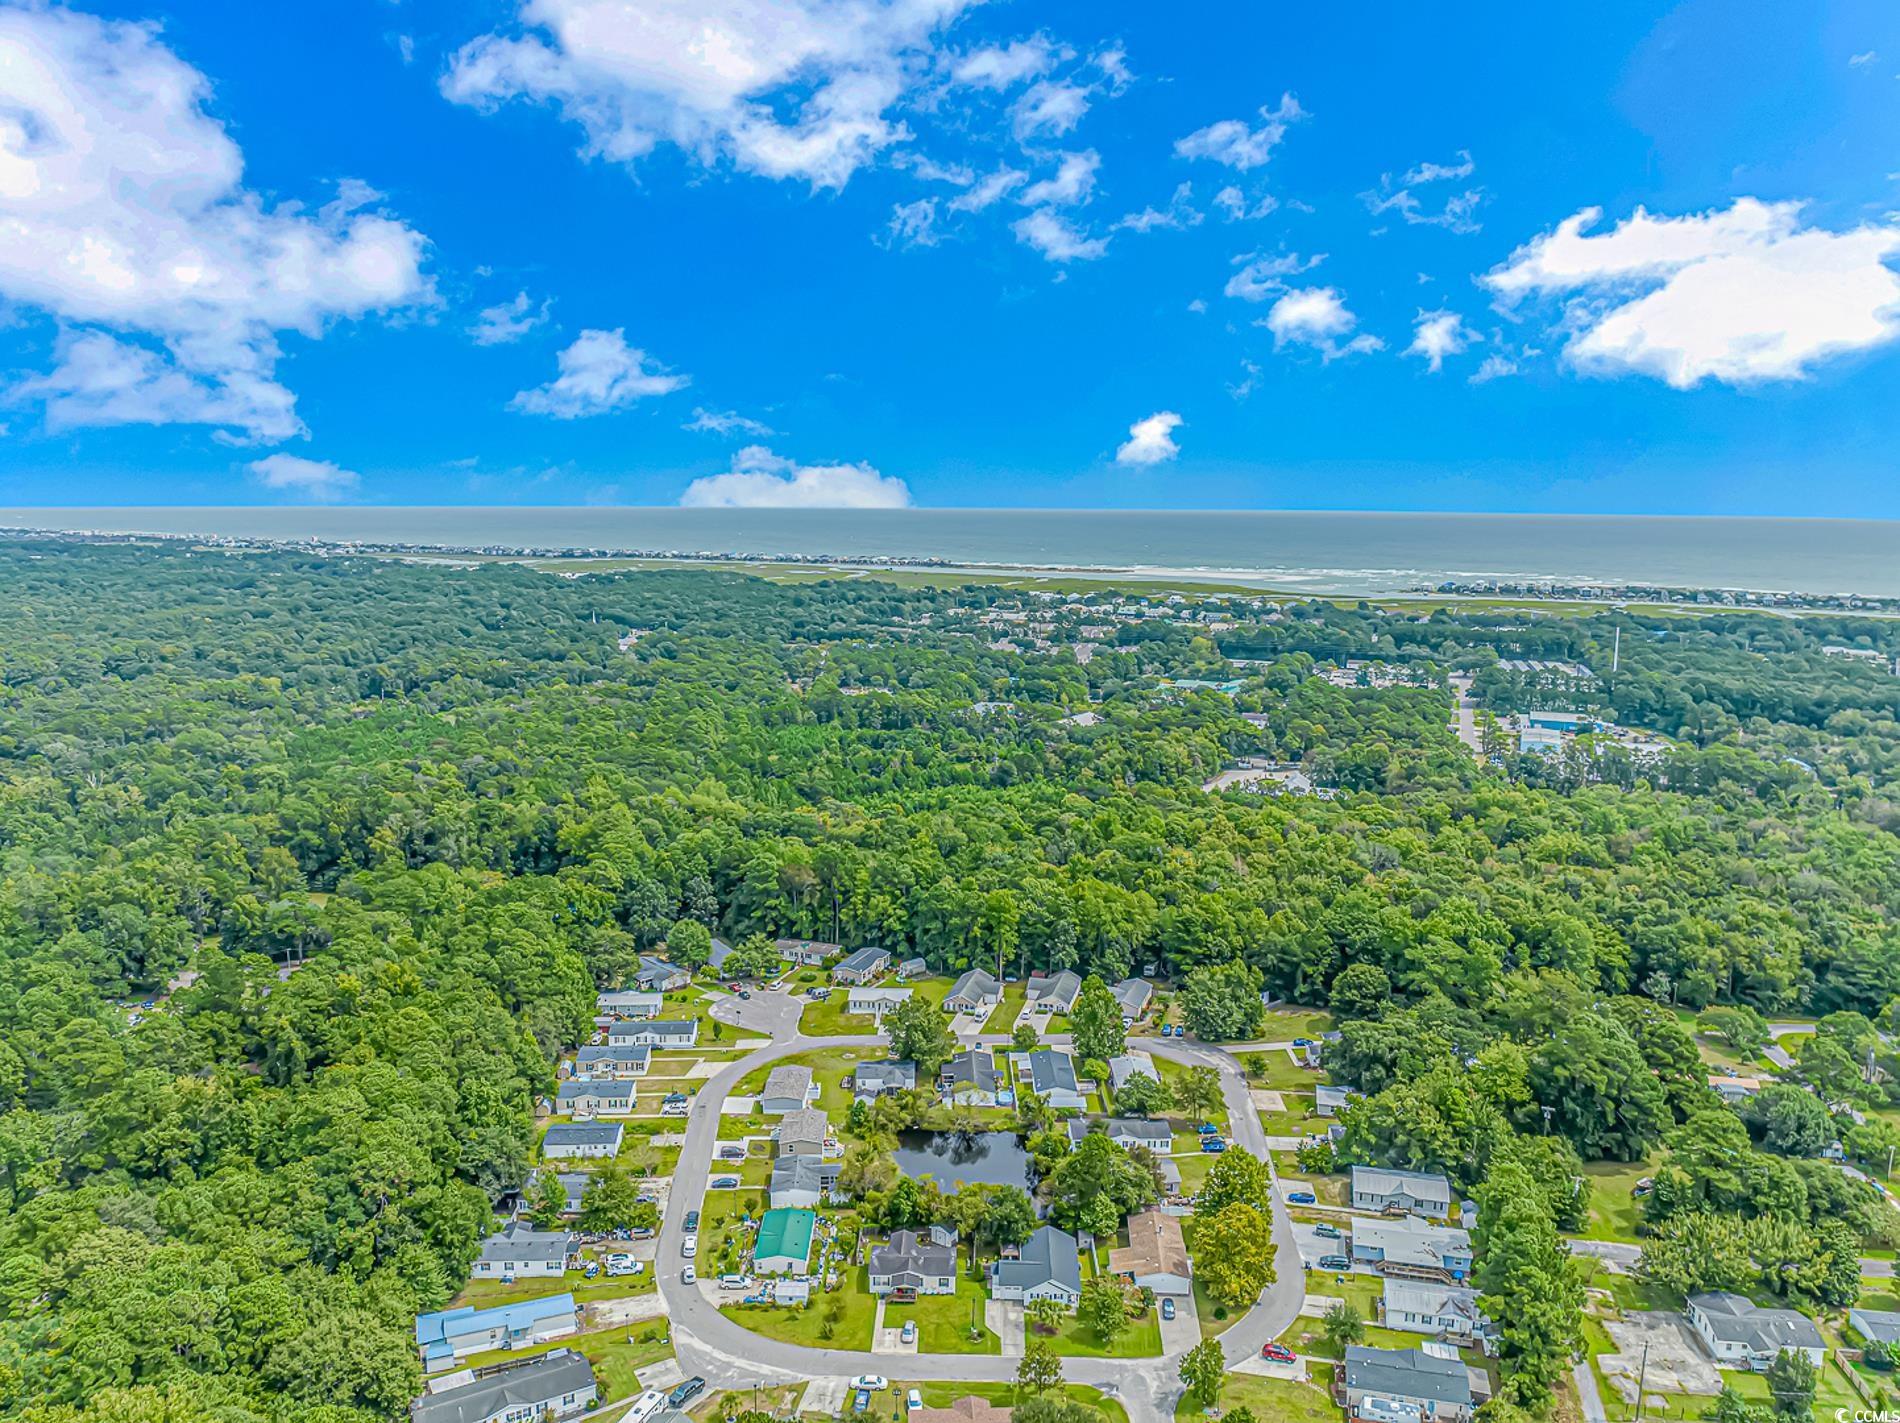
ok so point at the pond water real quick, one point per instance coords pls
(989, 1158)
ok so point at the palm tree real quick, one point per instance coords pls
(1044, 1313)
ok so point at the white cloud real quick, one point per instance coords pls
(508, 322)
(1048, 109)
(1233, 202)
(989, 191)
(1113, 64)
(1072, 184)
(1150, 441)
(1493, 368)
(781, 88)
(1241, 389)
(1261, 277)
(725, 422)
(1438, 334)
(123, 214)
(1236, 145)
(1864, 58)
(1180, 212)
(1455, 214)
(1740, 295)
(318, 480)
(1317, 317)
(599, 373)
(1005, 66)
(912, 224)
(760, 479)
(1057, 238)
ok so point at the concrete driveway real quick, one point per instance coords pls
(1183, 1332)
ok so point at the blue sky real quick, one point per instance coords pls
(1231, 255)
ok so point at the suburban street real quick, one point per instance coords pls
(728, 1355)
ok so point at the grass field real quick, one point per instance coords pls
(942, 1395)
(1140, 1340)
(485, 1294)
(615, 1354)
(943, 1321)
(850, 1327)
(1270, 1400)
(1613, 1210)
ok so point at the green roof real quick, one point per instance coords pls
(785, 1232)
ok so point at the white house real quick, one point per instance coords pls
(1406, 1386)
(808, 952)
(451, 1334)
(606, 1060)
(571, 1141)
(1126, 1132)
(787, 1088)
(862, 966)
(974, 992)
(911, 1264)
(1743, 1335)
(559, 1384)
(595, 1097)
(521, 1252)
(1053, 992)
(658, 1033)
(875, 1001)
(1421, 1193)
(1134, 995)
(1052, 1078)
(1156, 1255)
(629, 1003)
(1047, 1267)
(1419, 1307)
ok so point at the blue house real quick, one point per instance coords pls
(448, 1335)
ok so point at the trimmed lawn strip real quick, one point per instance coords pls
(942, 1395)
(943, 1321)
(805, 1325)
(1614, 1212)
(1271, 1400)
(485, 1294)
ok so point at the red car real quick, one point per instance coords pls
(1279, 1353)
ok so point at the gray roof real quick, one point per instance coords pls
(788, 1081)
(582, 1134)
(521, 1241)
(1422, 1185)
(804, 1124)
(1876, 1325)
(1156, 1135)
(910, 1254)
(975, 1068)
(553, 1375)
(887, 1075)
(1407, 1374)
(1059, 987)
(1133, 994)
(863, 960)
(803, 1173)
(1049, 1255)
(1051, 1071)
(974, 986)
(717, 958)
(1736, 1319)
(601, 1053)
(1130, 1064)
(911, 966)
(586, 1089)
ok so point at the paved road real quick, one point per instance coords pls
(728, 1355)
(1616, 1252)
(1587, 1395)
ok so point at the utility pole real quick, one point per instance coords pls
(1642, 1376)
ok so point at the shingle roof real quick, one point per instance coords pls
(788, 1081)
(552, 1375)
(975, 1068)
(886, 1074)
(1050, 1255)
(974, 986)
(1378, 1181)
(1060, 987)
(1155, 1135)
(595, 1054)
(1133, 994)
(583, 1134)
(910, 1254)
(1051, 1071)
(864, 960)
(1408, 1240)
(804, 1124)
(802, 1173)
(1736, 1319)
(1407, 1374)
(1155, 1246)
(521, 1241)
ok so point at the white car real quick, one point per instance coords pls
(689, 1276)
(914, 1402)
(874, 1382)
(689, 1247)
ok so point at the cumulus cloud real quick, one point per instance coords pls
(1494, 367)
(1238, 145)
(1150, 441)
(1180, 212)
(725, 422)
(1048, 108)
(1072, 184)
(317, 480)
(987, 192)
(1239, 208)
(1258, 277)
(1455, 213)
(508, 322)
(1741, 295)
(1056, 238)
(1007, 65)
(792, 89)
(124, 215)
(1438, 334)
(598, 374)
(760, 479)
(912, 224)
(1317, 317)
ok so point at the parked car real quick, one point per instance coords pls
(1209, 1129)
(1302, 1042)
(590, 1270)
(724, 1183)
(1302, 1198)
(689, 1247)
(1329, 1232)
(689, 1276)
(1279, 1353)
(745, 992)
(877, 1383)
(916, 1400)
(734, 1282)
(860, 1401)
(692, 1222)
(1334, 1262)
(1213, 1143)
(910, 1337)
(1167, 1309)
(691, 1389)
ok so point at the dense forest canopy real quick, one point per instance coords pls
(459, 800)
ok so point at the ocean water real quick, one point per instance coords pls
(1317, 552)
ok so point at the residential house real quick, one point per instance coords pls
(787, 1088)
(606, 1060)
(558, 1384)
(802, 1132)
(970, 1079)
(629, 1003)
(871, 1080)
(1330, 1101)
(521, 1252)
(449, 1334)
(1875, 1326)
(1412, 1248)
(911, 1265)
(573, 1183)
(973, 992)
(660, 1033)
(1156, 1255)
(1134, 994)
(1047, 1267)
(1053, 992)
(861, 966)
(1735, 1090)
(802, 1182)
(809, 953)
(1130, 1064)
(1052, 1078)
(1405, 1386)
(1421, 1193)
(1744, 1335)
(573, 1141)
(875, 1001)
(1126, 1132)
(784, 1243)
(594, 1097)
(913, 968)
(659, 976)
(1447, 1311)
(721, 951)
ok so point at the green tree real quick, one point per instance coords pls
(1222, 1002)
(1343, 1325)
(1362, 990)
(1096, 1021)
(1009, 1216)
(1104, 1308)
(1234, 1253)
(1023, 1038)
(920, 1032)
(547, 1200)
(1142, 1096)
(1236, 1176)
(1198, 1092)
(612, 1202)
(1743, 1029)
(1526, 1284)
(1045, 1314)
(1098, 1183)
(1202, 1369)
(1791, 1384)
(1040, 1370)
(689, 944)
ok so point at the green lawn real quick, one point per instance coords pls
(615, 1353)
(1015, 996)
(943, 1321)
(829, 1067)
(1271, 1401)
(851, 1329)
(942, 1395)
(830, 1020)
(1140, 1340)
(1282, 1025)
(1614, 1211)
(484, 1294)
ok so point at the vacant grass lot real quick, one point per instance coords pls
(1614, 1212)
(942, 1395)
(1271, 1401)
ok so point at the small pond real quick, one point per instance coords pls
(953, 1159)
